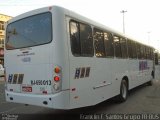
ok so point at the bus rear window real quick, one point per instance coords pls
(31, 31)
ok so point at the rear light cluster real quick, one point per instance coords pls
(57, 78)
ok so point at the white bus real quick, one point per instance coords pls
(58, 59)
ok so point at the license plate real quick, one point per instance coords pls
(26, 89)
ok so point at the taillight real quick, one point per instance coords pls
(57, 78)
(57, 70)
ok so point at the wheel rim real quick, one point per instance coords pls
(124, 91)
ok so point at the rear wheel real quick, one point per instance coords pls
(123, 91)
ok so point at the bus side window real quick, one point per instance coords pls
(99, 43)
(109, 44)
(86, 40)
(123, 47)
(134, 50)
(156, 58)
(118, 52)
(81, 39)
(75, 40)
(147, 52)
(130, 48)
(152, 55)
(142, 51)
(138, 51)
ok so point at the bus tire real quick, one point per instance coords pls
(123, 91)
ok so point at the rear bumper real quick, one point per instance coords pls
(58, 101)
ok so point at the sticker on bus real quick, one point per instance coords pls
(15, 78)
(26, 88)
(82, 72)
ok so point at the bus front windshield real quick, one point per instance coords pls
(28, 32)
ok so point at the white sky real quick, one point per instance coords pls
(141, 19)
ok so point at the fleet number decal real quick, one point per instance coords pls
(82, 72)
(40, 82)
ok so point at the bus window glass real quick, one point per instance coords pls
(151, 50)
(134, 49)
(81, 39)
(138, 51)
(99, 43)
(156, 58)
(130, 51)
(109, 45)
(149, 56)
(117, 46)
(142, 51)
(31, 31)
(86, 40)
(75, 41)
(123, 47)
(147, 52)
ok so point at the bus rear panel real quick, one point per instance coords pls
(34, 70)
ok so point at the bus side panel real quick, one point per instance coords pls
(119, 70)
(133, 70)
(89, 89)
(90, 78)
(103, 79)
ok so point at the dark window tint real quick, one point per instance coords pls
(147, 52)
(123, 47)
(139, 51)
(30, 31)
(151, 53)
(134, 49)
(130, 48)
(86, 40)
(75, 41)
(142, 51)
(156, 58)
(81, 39)
(117, 46)
(109, 44)
(99, 43)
